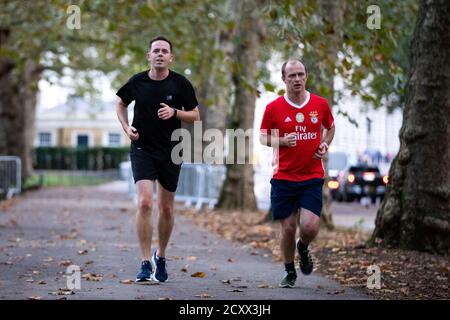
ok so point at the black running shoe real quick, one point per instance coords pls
(305, 260)
(146, 272)
(160, 273)
(288, 280)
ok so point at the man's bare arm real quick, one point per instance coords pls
(167, 112)
(122, 114)
(188, 116)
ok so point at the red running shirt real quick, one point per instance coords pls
(297, 163)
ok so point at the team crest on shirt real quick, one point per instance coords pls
(299, 117)
(313, 115)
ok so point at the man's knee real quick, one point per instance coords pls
(145, 205)
(288, 231)
(165, 210)
(309, 228)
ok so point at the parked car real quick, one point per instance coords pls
(360, 181)
(337, 162)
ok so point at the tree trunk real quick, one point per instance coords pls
(415, 213)
(237, 191)
(212, 96)
(18, 107)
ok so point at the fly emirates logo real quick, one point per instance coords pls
(301, 134)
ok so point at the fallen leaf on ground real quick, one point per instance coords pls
(35, 298)
(236, 290)
(203, 295)
(191, 258)
(165, 298)
(92, 277)
(226, 281)
(49, 259)
(405, 291)
(42, 282)
(65, 263)
(185, 268)
(80, 252)
(336, 291)
(62, 292)
(127, 281)
(265, 285)
(198, 275)
(72, 235)
(230, 260)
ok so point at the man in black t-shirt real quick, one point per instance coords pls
(163, 98)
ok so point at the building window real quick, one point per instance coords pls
(82, 140)
(45, 139)
(114, 140)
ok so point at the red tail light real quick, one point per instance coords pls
(351, 178)
(333, 185)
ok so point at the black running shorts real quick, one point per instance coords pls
(154, 165)
(287, 197)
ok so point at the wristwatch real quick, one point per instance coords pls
(175, 114)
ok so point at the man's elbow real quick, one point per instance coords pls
(121, 105)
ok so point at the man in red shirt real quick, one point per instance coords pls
(300, 126)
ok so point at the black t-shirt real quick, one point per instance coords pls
(175, 90)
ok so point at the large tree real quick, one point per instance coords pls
(415, 213)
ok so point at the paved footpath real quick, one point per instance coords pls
(44, 231)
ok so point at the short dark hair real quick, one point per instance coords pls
(283, 67)
(162, 38)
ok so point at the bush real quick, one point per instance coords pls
(63, 158)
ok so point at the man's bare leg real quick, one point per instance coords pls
(287, 246)
(309, 226)
(165, 227)
(165, 218)
(287, 243)
(144, 217)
